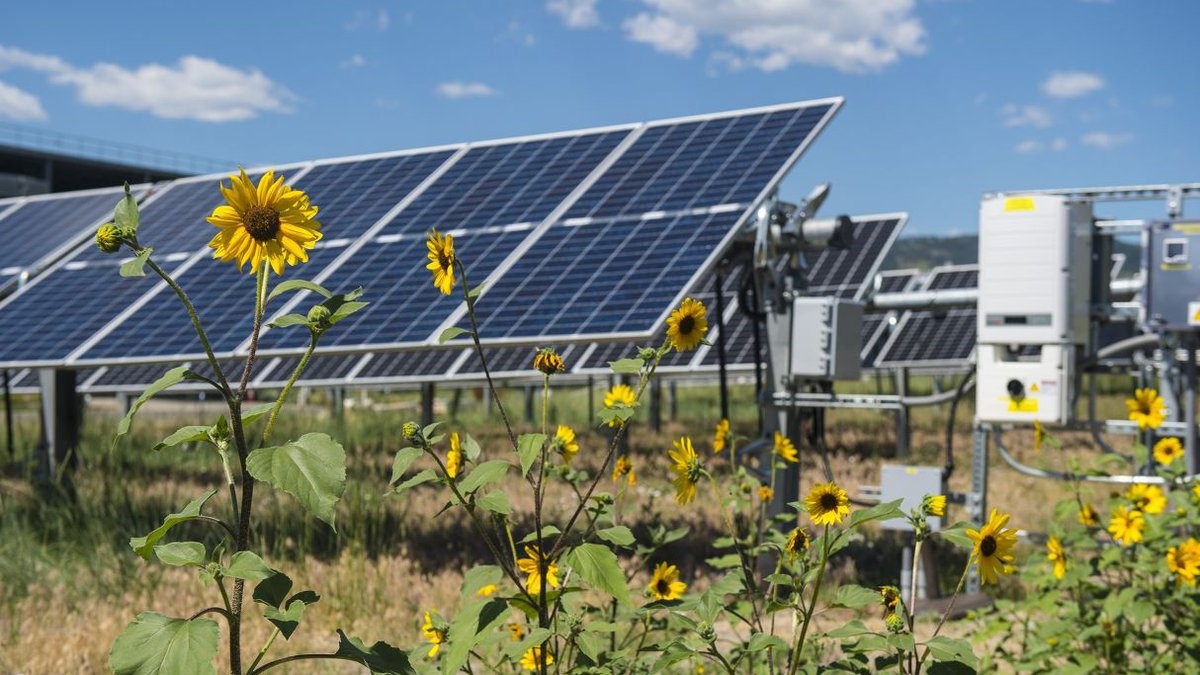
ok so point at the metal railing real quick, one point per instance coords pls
(108, 151)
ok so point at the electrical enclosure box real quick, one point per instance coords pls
(1023, 385)
(826, 338)
(1034, 270)
(1171, 260)
(910, 483)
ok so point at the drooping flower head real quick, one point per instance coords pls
(1126, 525)
(434, 634)
(624, 468)
(1054, 553)
(1167, 450)
(516, 631)
(532, 565)
(784, 449)
(994, 547)
(687, 470)
(441, 260)
(1146, 408)
(721, 436)
(797, 543)
(454, 458)
(765, 493)
(687, 325)
(1184, 561)
(1146, 498)
(934, 505)
(889, 597)
(548, 362)
(536, 658)
(665, 584)
(827, 504)
(1088, 516)
(269, 222)
(620, 394)
(565, 443)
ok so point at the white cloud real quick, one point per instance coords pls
(518, 33)
(18, 104)
(1026, 116)
(663, 33)
(456, 90)
(1103, 140)
(365, 18)
(1058, 144)
(355, 61)
(575, 13)
(195, 88)
(1072, 84)
(1029, 146)
(853, 36)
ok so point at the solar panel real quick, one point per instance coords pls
(953, 277)
(935, 338)
(895, 281)
(320, 369)
(877, 326)
(508, 362)
(418, 366)
(845, 273)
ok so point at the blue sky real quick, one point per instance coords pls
(945, 99)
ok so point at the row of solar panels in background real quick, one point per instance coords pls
(935, 339)
(577, 234)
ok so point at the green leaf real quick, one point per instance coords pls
(289, 320)
(343, 305)
(957, 534)
(626, 366)
(547, 532)
(496, 502)
(674, 653)
(419, 478)
(125, 215)
(945, 648)
(286, 621)
(155, 644)
(136, 266)
(188, 434)
(477, 577)
(885, 511)
(485, 474)
(273, 590)
(760, 641)
(450, 333)
(255, 412)
(379, 657)
(169, 379)
(181, 553)
(404, 459)
(311, 469)
(529, 446)
(619, 535)
(144, 546)
(474, 292)
(470, 447)
(853, 628)
(855, 596)
(298, 285)
(470, 625)
(599, 566)
(247, 565)
(619, 412)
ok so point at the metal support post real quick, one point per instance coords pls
(723, 379)
(455, 402)
(591, 388)
(337, 406)
(530, 407)
(977, 499)
(62, 416)
(8, 418)
(1192, 456)
(655, 412)
(903, 431)
(672, 401)
(428, 390)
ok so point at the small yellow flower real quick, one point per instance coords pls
(623, 467)
(516, 631)
(1146, 498)
(271, 222)
(1184, 561)
(1167, 450)
(536, 658)
(1088, 516)
(109, 238)
(721, 437)
(784, 448)
(1054, 553)
(1146, 408)
(454, 458)
(487, 591)
(548, 362)
(665, 584)
(686, 326)
(687, 470)
(1039, 435)
(934, 505)
(441, 260)
(621, 394)
(532, 565)
(765, 494)
(435, 635)
(827, 504)
(565, 443)
(993, 547)
(798, 542)
(1126, 526)
(1196, 492)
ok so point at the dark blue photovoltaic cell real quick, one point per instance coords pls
(506, 183)
(953, 277)
(350, 196)
(430, 364)
(703, 163)
(42, 226)
(324, 368)
(604, 277)
(843, 273)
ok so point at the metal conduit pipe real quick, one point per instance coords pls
(1066, 476)
(1119, 347)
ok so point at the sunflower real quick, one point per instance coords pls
(665, 584)
(721, 437)
(1088, 516)
(516, 631)
(454, 458)
(435, 635)
(271, 222)
(565, 443)
(784, 448)
(623, 467)
(532, 565)
(1146, 408)
(1054, 553)
(1126, 526)
(1184, 561)
(993, 547)
(536, 658)
(765, 494)
(798, 542)
(620, 394)
(1146, 498)
(686, 326)
(548, 362)
(827, 504)
(934, 505)
(441, 260)
(687, 470)
(1167, 450)
(889, 597)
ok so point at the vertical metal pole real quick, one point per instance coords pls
(672, 401)
(1192, 456)
(427, 393)
(903, 432)
(724, 376)
(656, 405)
(591, 387)
(530, 414)
(977, 500)
(758, 376)
(8, 417)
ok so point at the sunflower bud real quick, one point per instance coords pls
(647, 354)
(109, 238)
(411, 432)
(894, 623)
(548, 362)
(318, 316)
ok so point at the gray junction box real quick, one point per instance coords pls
(910, 483)
(1171, 258)
(826, 338)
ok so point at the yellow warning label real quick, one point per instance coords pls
(1034, 387)
(911, 470)
(1025, 405)
(1187, 228)
(1018, 204)
(1194, 313)
(1175, 267)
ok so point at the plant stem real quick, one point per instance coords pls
(191, 310)
(795, 661)
(263, 652)
(301, 657)
(912, 600)
(962, 580)
(747, 573)
(479, 350)
(288, 387)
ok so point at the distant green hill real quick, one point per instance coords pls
(924, 253)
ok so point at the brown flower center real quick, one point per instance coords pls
(687, 324)
(829, 502)
(662, 587)
(261, 222)
(987, 546)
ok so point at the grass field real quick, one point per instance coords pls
(69, 582)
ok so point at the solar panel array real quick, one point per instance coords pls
(937, 338)
(558, 227)
(877, 326)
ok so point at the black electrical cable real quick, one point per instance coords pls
(948, 467)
